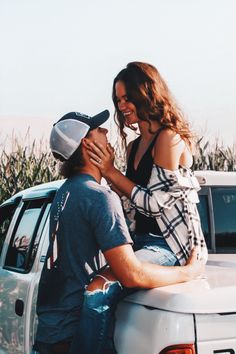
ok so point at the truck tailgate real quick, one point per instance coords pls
(216, 333)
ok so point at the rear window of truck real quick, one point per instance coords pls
(224, 210)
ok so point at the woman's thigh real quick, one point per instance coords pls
(154, 250)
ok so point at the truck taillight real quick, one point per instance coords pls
(179, 349)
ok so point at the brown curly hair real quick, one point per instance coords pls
(152, 98)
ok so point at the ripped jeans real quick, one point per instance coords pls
(154, 249)
(94, 334)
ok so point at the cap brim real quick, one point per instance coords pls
(99, 119)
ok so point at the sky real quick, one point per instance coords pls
(59, 56)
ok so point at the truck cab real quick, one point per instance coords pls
(198, 317)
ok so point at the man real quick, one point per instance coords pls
(87, 227)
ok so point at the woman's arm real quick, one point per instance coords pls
(101, 157)
(149, 201)
(167, 151)
(142, 199)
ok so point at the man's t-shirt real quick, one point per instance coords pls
(86, 218)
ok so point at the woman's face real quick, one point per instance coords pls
(126, 107)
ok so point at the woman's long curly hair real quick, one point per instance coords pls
(147, 90)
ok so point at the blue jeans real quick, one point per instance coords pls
(154, 249)
(56, 348)
(94, 334)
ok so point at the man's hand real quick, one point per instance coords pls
(195, 265)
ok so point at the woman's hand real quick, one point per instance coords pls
(102, 157)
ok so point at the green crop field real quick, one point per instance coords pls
(24, 167)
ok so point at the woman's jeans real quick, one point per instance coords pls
(154, 249)
(95, 331)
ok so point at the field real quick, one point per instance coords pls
(24, 166)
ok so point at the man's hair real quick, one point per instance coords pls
(70, 167)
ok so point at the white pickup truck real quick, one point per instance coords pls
(198, 317)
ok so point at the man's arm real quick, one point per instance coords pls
(133, 273)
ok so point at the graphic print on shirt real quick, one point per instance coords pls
(54, 249)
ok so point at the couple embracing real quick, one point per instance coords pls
(93, 259)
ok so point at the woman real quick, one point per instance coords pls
(159, 197)
(161, 187)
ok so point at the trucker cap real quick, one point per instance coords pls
(67, 133)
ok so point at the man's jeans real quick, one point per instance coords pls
(57, 348)
(95, 332)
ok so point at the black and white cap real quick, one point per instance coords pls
(67, 133)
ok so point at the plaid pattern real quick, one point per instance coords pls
(171, 198)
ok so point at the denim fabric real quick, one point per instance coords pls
(61, 288)
(44, 348)
(154, 249)
(56, 348)
(95, 331)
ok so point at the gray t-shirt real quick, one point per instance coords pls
(87, 218)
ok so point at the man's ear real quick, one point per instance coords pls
(85, 143)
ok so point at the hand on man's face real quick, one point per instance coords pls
(99, 135)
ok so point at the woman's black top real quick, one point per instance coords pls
(141, 176)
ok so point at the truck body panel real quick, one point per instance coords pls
(216, 333)
(141, 329)
(201, 312)
(215, 293)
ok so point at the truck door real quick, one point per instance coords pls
(19, 271)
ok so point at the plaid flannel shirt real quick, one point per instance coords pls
(171, 198)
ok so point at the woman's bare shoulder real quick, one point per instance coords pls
(168, 149)
(169, 137)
